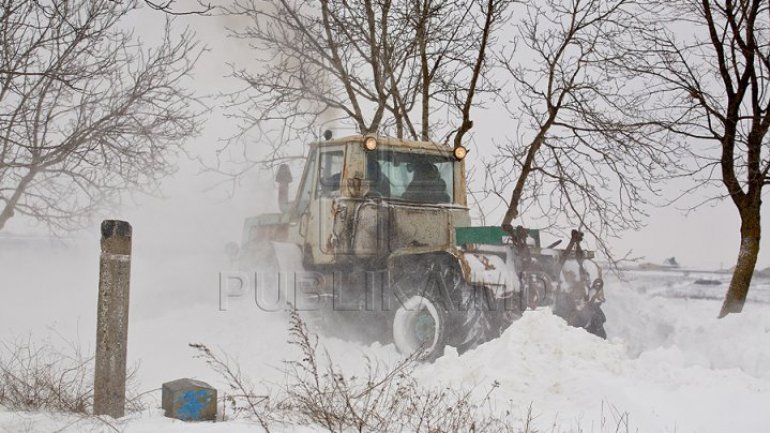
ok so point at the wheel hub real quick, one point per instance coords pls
(416, 326)
(424, 326)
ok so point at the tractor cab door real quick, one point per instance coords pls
(320, 187)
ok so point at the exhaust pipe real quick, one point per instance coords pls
(283, 178)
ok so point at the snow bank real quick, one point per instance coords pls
(669, 363)
(691, 326)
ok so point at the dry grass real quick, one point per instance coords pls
(42, 376)
(39, 375)
(383, 400)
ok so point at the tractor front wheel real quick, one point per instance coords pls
(420, 326)
(438, 308)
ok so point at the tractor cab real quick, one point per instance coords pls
(370, 196)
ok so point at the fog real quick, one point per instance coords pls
(179, 235)
(49, 286)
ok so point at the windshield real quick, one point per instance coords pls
(411, 177)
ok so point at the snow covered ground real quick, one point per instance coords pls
(668, 364)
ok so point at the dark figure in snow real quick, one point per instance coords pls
(379, 183)
(577, 308)
(426, 185)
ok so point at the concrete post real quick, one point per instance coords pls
(112, 319)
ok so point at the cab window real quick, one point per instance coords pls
(330, 172)
(306, 188)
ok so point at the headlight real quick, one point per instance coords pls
(460, 153)
(370, 143)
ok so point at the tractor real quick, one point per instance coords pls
(379, 240)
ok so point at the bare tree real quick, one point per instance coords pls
(167, 6)
(413, 69)
(708, 71)
(85, 111)
(580, 154)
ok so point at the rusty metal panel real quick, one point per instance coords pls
(419, 227)
(375, 227)
(320, 220)
(370, 235)
(492, 266)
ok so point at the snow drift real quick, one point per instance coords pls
(669, 364)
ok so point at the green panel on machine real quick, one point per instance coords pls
(490, 235)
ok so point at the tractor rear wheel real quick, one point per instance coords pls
(482, 317)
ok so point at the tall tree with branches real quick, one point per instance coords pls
(582, 156)
(86, 112)
(708, 74)
(413, 69)
(168, 7)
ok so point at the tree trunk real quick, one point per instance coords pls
(11, 202)
(5, 215)
(744, 268)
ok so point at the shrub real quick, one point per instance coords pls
(384, 400)
(41, 376)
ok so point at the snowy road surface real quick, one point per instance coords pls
(669, 363)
